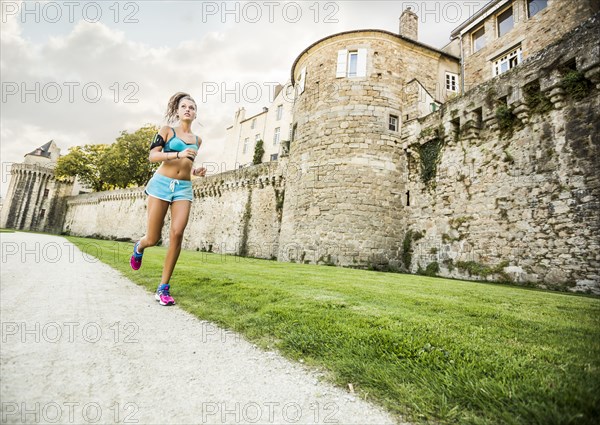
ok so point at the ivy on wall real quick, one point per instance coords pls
(430, 154)
(407, 250)
(536, 101)
(507, 120)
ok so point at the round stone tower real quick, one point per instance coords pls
(345, 183)
(35, 198)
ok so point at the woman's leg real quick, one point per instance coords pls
(180, 212)
(157, 209)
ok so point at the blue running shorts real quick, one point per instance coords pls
(168, 189)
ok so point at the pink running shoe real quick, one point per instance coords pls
(162, 295)
(136, 259)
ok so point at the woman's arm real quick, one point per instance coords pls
(156, 153)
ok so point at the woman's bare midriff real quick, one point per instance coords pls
(177, 169)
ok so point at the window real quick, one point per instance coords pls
(279, 112)
(505, 21)
(46, 192)
(534, 6)
(351, 63)
(276, 136)
(393, 123)
(42, 213)
(478, 39)
(302, 80)
(246, 143)
(508, 61)
(274, 157)
(253, 124)
(451, 82)
(257, 138)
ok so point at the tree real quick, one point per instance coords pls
(126, 162)
(119, 165)
(259, 151)
(84, 162)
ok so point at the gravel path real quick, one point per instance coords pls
(83, 344)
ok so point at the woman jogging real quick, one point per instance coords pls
(171, 185)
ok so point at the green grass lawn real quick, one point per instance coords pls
(431, 349)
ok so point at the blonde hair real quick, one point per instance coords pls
(171, 114)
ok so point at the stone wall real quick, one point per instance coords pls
(115, 214)
(516, 192)
(237, 212)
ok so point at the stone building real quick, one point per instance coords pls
(36, 200)
(506, 32)
(354, 90)
(272, 126)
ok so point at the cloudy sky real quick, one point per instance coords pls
(80, 72)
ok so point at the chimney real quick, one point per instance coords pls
(240, 115)
(409, 24)
(278, 88)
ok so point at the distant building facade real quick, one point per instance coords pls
(272, 126)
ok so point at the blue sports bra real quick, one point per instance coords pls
(175, 144)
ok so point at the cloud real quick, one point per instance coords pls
(10, 24)
(85, 82)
